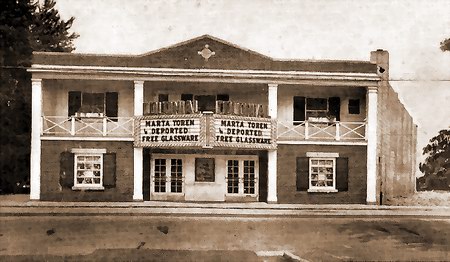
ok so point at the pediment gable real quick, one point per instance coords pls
(205, 52)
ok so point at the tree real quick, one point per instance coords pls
(436, 166)
(25, 26)
(445, 45)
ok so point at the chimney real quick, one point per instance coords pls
(380, 57)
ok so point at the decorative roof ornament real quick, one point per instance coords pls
(206, 53)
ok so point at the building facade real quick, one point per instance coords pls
(206, 120)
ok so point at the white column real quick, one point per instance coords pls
(138, 151)
(36, 126)
(372, 101)
(272, 154)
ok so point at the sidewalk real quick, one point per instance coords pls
(20, 205)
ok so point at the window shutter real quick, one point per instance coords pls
(223, 97)
(302, 173)
(112, 107)
(74, 102)
(186, 97)
(299, 108)
(342, 174)
(335, 107)
(66, 173)
(109, 170)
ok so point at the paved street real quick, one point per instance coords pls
(143, 237)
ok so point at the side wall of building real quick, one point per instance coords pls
(51, 169)
(287, 175)
(397, 138)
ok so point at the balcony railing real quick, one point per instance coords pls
(309, 130)
(87, 126)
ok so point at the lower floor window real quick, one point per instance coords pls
(241, 176)
(168, 175)
(88, 170)
(322, 173)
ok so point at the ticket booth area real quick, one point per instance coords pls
(204, 177)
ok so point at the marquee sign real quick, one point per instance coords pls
(243, 132)
(204, 130)
(168, 131)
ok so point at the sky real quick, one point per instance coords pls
(311, 29)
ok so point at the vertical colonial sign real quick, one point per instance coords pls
(169, 131)
(204, 130)
(244, 132)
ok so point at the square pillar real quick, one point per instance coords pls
(138, 151)
(371, 135)
(36, 127)
(272, 154)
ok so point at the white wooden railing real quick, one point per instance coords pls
(87, 126)
(309, 130)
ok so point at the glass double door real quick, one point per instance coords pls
(204, 177)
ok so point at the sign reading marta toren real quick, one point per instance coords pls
(201, 131)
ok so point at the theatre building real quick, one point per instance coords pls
(206, 120)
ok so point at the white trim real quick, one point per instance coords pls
(88, 151)
(180, 71)
(272, 176)
(138, 158)
(71, 138)
(99, 188)
(371, 135)
(322, 190)
(36, 129)
(322, 154)
(334, 143)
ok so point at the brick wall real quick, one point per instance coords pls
(51, 190)
(286, 181)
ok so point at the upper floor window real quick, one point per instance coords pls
(316, 109)
(100, 104)
(354, 106)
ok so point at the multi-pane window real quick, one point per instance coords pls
(168, 179)
(249, 177)
(176, 175)
(159, 179)
(233, 176)
(88, 171)
(242, 177)
(322, 173)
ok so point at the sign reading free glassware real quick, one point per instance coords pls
(200, 130)
(168, 131)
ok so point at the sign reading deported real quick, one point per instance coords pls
(246, 133)
(168, 132)
(201, 130)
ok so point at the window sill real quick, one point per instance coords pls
(88, 188)
(322, 190)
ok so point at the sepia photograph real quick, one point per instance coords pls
(224, 130)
